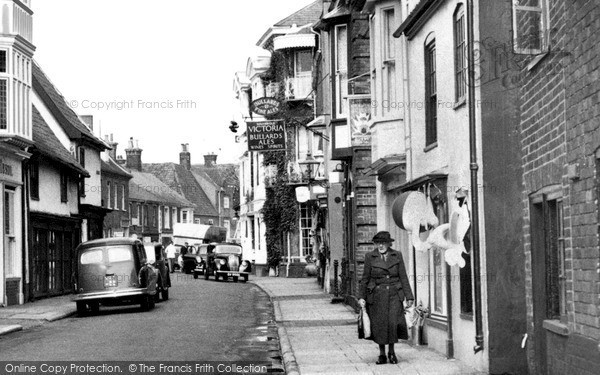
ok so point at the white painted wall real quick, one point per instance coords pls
(451, 156)
(93, 194)
(49, 201)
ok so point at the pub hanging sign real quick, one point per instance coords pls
(266, 106)
(266, 135)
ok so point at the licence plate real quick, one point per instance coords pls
(110, 281)
(232, 274)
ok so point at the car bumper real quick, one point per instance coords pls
(199, 269)
(121, 293)
(232, 273)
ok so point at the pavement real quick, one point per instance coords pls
(319, 337)
(32, 314)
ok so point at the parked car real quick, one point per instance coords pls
(188, 260)
(225, 261)
(113, 271)
(157, 257)
(200, 259)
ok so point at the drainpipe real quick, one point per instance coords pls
(474, 183)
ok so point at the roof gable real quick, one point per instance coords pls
(59, 108)
(48, 145)
(184, 182)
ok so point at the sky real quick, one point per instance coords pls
(159, 71)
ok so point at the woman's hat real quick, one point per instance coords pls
(383, 237)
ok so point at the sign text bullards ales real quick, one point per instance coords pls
(266, 136)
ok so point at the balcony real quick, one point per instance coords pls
(299, 87)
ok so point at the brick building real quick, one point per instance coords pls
(560, 107)
(115, 194)
(344, 92)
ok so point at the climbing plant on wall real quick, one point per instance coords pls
(280, 210)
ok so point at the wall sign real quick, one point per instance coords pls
(5, 168)
(266, 106)
(266, 135)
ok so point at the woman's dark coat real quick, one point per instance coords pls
(384, 286)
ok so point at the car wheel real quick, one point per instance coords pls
(151, 303)
(235, 279)
(245, 277)
(216, 276)
(225, 277)
(165, 294)
(195, 275)
(81, 308)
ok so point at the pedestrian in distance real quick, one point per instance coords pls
(171, 250)
(384, 287)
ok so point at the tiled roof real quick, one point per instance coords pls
(147, 187)
(57, 104)
(221, 174)
(306, 15)
(184, 182)
(112, 167)
(48, 145)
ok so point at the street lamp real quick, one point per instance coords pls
(309, 167)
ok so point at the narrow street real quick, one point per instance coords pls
(202, 320)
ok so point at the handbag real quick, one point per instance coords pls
(364, 324)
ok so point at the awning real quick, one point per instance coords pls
(386, 164)
(294, 41)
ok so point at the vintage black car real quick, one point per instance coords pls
(157, 257)
(200, 259)
(113, 271)
(225, 260)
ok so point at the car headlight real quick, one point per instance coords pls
(222, 261)
(198, 259)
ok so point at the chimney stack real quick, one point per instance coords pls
(210, 160)
(110, 141)
(185, 158)
(134, 156)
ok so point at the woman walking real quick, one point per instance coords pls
(383, 289)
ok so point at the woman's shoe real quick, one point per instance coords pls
(381, 360)
(393, 358)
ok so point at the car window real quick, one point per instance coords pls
(92, 256)
(202, 250)
(119, 254)
(228, 249)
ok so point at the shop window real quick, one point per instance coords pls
(305, 229)
(430, 95)
(122, 197)
(466, 280)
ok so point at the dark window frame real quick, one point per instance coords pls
(430, 94)
(460, 50)
(64, 186)
(34, 180)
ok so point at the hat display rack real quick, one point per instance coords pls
(413, 211)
